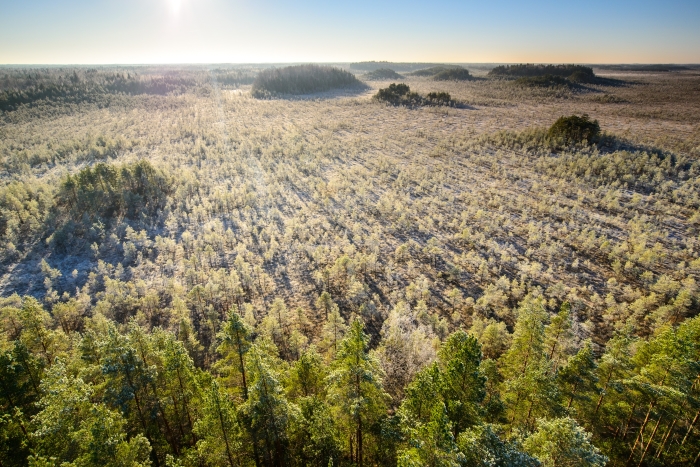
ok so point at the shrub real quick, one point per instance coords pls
(400, 94)
(453, 74)
(382, 74)
(439, 97)
(575, 129)
(302, 79)
(394, 94)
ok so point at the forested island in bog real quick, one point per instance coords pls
(360, 264)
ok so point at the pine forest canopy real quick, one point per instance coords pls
(422, 273)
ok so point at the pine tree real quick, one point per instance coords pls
(355, 389)
(234, 345)
(577, 380)
(432, 444)
(332, 333)
(561, 442)
(462, 385)
(268, 410)
(481, 446)
(558, 337)
(72, 430)
(529, 390)
(218, 429)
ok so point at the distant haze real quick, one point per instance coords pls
(218, 31)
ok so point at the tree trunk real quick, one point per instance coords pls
(651, 438)
(641, 431)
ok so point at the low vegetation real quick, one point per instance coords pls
(382, 74)
(302, 79)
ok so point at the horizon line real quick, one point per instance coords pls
(339, 62)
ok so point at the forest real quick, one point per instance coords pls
(192, 275)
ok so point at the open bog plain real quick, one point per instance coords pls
(166, 205)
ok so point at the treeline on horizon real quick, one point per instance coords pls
(92, 85)
(396, 66)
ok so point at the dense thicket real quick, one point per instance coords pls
(401, 94)
(530, 70)
(544, 81)
(302, 79)
(382, 74)
(575, 129)
(453, 74)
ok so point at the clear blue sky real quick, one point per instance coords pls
(209, 31)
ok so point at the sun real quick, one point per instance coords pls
(175, 5)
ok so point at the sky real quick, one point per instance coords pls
(272, 31)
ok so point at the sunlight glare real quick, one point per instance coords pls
(175, 6)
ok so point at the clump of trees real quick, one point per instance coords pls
(301, 79)
(398, 94)
(106, 190)
(453, 74)
(442, 97)
(574, 130)
(544, 81)
(401, 94)
(530, 70)
(382, 74)
(432, 71)
(89, 201)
